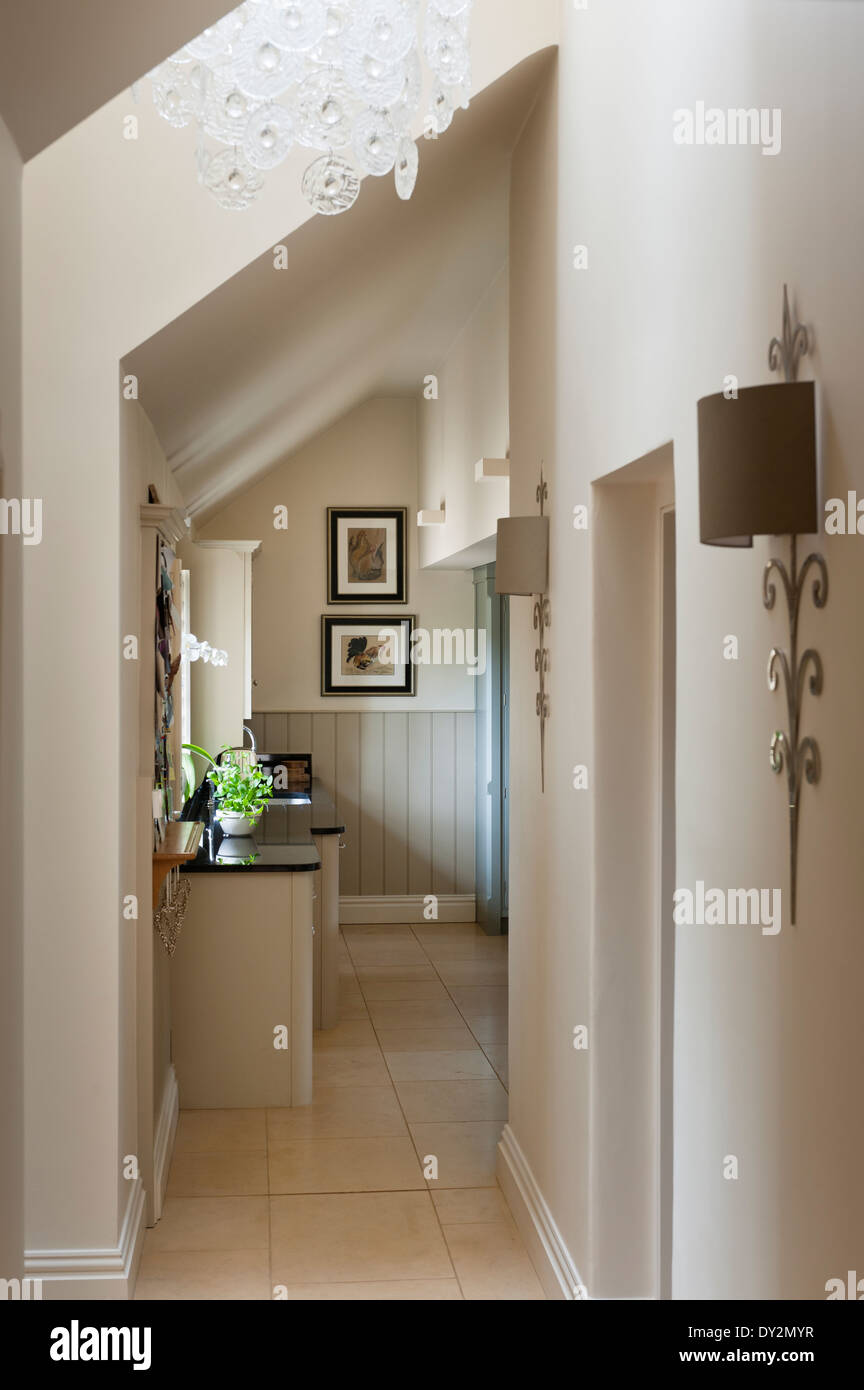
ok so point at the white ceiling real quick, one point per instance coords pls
(60, 60)
(369, 304)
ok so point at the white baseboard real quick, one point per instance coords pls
(392, 909)
(107, 1274)
(163, 1140)
(555, 1266)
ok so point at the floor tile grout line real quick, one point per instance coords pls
(431, 1198)
(416, 1150)
(269, 1208)
(480, 1045)
(464, 1019)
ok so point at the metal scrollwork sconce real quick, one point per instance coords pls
(758, 477)
(522, 567)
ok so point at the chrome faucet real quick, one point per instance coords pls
(248, 731)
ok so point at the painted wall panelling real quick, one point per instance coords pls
(404, 784)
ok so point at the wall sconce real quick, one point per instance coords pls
(757, 476)
(431, 518)
(522, 567)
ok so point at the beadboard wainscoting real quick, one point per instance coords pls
(404, 784)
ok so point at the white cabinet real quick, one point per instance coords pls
(241, 975)
(220, 612)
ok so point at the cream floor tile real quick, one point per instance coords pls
(345, 1165)
(470, 1205)
(440, 1066)
(395, 939)
(479, 1001)
(350, 1066)
(498, 1056)
(350, 993)
(218, 1175)
(492, 1263)
(234, 1275)
(371, 931)
(340, 1112)
(489, 1030)
(354, 1033)
(456, 1039)
(378, 991)
(356, 1237)
(474, 972)
(395, 1290)
(471, 948)
(431, 1101)
(414, 1013)
(352, 1010)
(442, 931)
(210, 1223)
(220, 1131)
(387, 953)
(395, 973)
(466, 1151)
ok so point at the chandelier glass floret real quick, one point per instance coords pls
(345, 80)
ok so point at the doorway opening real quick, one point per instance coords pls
(492, 754)
(634, 969)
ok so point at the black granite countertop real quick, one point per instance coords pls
(282, 843)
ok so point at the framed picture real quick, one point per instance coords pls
(366, 555)
(367, 656)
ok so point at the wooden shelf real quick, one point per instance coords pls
(182, 839)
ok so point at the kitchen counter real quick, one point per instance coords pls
(251, 974)
(284, 839)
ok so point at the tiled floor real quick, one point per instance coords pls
(329, 1201)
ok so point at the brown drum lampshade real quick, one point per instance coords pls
(522, 555)
(757, 464)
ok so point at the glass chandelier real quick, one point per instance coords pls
(344, 79)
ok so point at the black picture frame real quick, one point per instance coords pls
(333, 626)
(339, 588)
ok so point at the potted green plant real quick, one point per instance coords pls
(241, 791)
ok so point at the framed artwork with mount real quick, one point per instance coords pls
(366, 555)
(367, 656)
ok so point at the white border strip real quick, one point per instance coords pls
(163, 1143)
(555, 1265)
(392, 909)
(97, 1274)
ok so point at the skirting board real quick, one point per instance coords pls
(94, 1274)
(163, 1140)
(393, 909)
(555, 1266)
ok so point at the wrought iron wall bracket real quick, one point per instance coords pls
(542, 620)
(798, 755)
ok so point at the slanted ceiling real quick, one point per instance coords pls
(368, 305)
(60, 60)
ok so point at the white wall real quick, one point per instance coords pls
(688, 251)
(367, 458)
(467, 421)
(142, 464)
(12, 558)
(119, 239)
